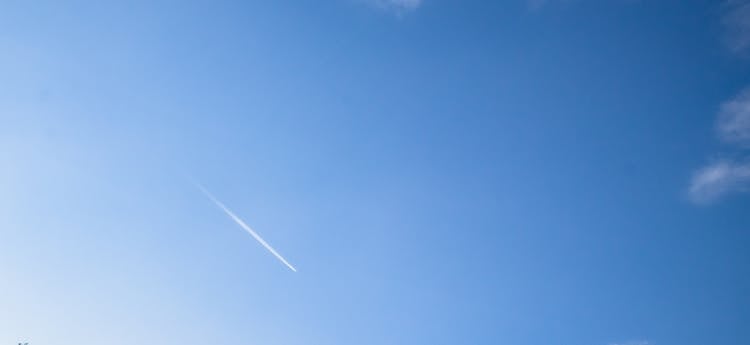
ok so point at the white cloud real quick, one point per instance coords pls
(398, 5)
(737, 22)
(718, 179)
(734, 120)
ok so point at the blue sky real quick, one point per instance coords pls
(438, 172)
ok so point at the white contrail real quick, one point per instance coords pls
(245, 226)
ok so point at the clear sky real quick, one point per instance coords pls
(438, 172)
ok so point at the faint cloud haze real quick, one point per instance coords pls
(734, 120)
(536, 4)
(399, 6)
(737, 22)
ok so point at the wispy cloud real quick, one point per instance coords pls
(737, 22)
(734, 120)
(719, 179)
(726, 176)
(247, 228)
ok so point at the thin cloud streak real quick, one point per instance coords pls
(247, 228)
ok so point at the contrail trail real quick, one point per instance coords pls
(245, 226)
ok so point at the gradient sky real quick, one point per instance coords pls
(439, 172)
